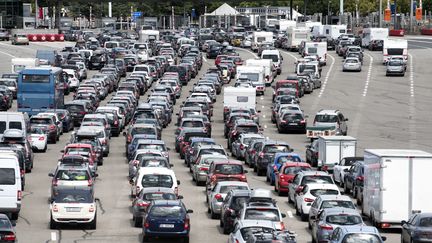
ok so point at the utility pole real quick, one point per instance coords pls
(304, 13)
(172, 14)
(341, 10)
(90, 17)
(411, 15)
(110, 9)
(291, 9)
(36, 13)
(328, 13)
(380, 14)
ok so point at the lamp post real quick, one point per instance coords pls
(328, 12)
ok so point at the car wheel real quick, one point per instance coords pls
(137, 222)
(14, 216)
(45, 148)
(303, 216)
(346, 189)
(186, 239)
(145, 239)
(341, 184)
(213, 215)
(296, 210)
(92, 224)
(53, 224)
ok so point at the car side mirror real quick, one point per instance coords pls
(178, 182)
(179, 197)
(346, 170)
(283, 215)
(51, 175)
(124, 133)
(189, 211)
(245, 171)
(308, 146)
(346, 119)
(404, 222)
(62, 151)
(383, 238)
(313, 217)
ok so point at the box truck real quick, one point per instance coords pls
(397, 183)
(333, 148)
(148, 35)
(19, 64)
(370, 34)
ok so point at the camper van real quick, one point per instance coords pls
(334, 31)
(19, 64)
(255, 75)
(148, 35)
(269, 72)
(260, 37)
(395, 47)
(295, 36)
(316, 49)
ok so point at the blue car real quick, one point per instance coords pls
(133, 144)
(347, 234)
(278, 161)
(166, 218)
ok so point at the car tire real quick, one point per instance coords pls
(145, 239)
(213, 215)
(297, 212)
(45, 148)
(186, 239)
(53, 224)
(14, 216)
(303, 216)
(92, 224)
(346, 189)
(137, 222)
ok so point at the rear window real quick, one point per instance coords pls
(74, 197)
(318, 192)
(159, 196)
(361, 237)
(143, 130)
(228, 169)
(154, 163)
(326, 118)
(262, 214)
(42, 121)
(72, 175)
(167, 211)
(35, 78)
(337, 203)
(293, 117)
(157, 181)
(7, 176)
(344, 219)
(276, 149)
(226, 189)
(74, 108)
(158, 147)
(247, 129)
(295, 169)
(193, 124)
(317, 179)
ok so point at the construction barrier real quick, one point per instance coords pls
(426, 31)
(45, 37)
(396, 32)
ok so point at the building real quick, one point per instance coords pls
(11, 14)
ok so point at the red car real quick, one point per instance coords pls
(81, 149)
(231, 170)
(286, 175)
(219, 58)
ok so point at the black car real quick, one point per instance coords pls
(231, 207)
(291, 121)
(376, 45)
(213, 52)
(97, 61)
(354, 181)
(78, 110)
(418, 228)
(7, 231)
(182, 71)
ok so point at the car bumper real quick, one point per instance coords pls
(283, 186)
(352, 68)
(217, 206)
(201, 177)
(295, 127)
(39, 145)
(151, 233)
(14, 209)
(78, 219)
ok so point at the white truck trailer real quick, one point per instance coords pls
(259, 37)
(269, 72)
(397, 183)
(334, 31)
(333, 148)
(19, 64)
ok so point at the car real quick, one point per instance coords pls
(231, 207)
(354, 180)
(18, 137)
(307, 195)
(144, 199)
(147, 161)
(376, 45)
(230, 170)
(71, 176)
(65, 118)
(418, 228)
(292, 120)
(38, 138)
(312, 153)
(346, 234)
(216, 195)
(339, 169)
(285, 175)
(304, 177)
(166, 218)
(395, 67)
(47, 123)
(239, 147)
(154, 177)
(351, 64)
(20, 39)
(330, 218)
(279, 160)
(244, 230)
(333, 118)
(73, 206)
(266, 152)
(7, 231)
(328, 201)
(201, 167)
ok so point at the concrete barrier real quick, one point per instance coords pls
(426, 31)
(396, 32)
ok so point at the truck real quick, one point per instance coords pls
(148, 35)
(395, 47)
(397, 184)
(370, 34)
(284, 24)
(295, 36)
(275, 57)
(269, 72)
(259, 37)
(333, 148)
(334, 31)
(316, 49)
(255, 75)
(238, 97)
(19, 64)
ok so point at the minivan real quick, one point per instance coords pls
(10, 183)
(14, 120)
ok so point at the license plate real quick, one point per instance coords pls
(292, 123)
(169, 226)
(73, 209)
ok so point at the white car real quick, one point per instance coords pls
(74, 81)
(217, 194)
(246, 228)
(154, 177)
(73, 206)
(339, 169)
(38, 138)
(82, 70)
(305, 198)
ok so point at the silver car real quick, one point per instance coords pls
(330, 218)
(245, 229)
(351, 64)
(200, 169)
(395, 67)
(240, 146)
(216, 195)
(328, 201)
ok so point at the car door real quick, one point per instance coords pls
(314, 209)
(337, 170)
(292, 187)
(342, 124)
(408, 227)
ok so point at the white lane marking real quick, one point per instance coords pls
(411, 70)
(7, 54)
(290, 214)
(295, 58)
(205, 59)
(327, 76)
(261, 98)
(246, 50)
(264, 116)
(53, 236)
(265, 126)
(365, 90)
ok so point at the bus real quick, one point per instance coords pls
(41, 88)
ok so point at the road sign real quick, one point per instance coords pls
(137, 14)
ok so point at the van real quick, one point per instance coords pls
(10, 183)
(275, 57)
(14, 120)
(154, 177)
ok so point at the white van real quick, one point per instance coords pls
(10, 184)
(109, 45)
(316, 49)
(276, 58)
(269, 70)
(14, 120)
(154, 177)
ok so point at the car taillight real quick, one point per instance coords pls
(204, 169)
(54, 182)
(308, 200)
(129, 138)
(82, 112)
(360, 178)
(186, 224)
(282, 226)
(326, 227)
(146, 224)
(55, 208)
(243, 177)
(213, 178)
(261, 155)
(242, 146)
(252, 151)
(116, 123)
(52, 127)
(143, 204)
(41, 138)
(19, 195)
(282, 177)
(104, 142)
(9, 237)
(218, 197)
(91, 209)
(303, 121)
(89, 182)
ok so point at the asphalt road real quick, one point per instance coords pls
(383, 112)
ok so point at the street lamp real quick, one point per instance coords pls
(328, 12)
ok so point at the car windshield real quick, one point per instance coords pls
(262, 214)
(159, 196)
(167, 211)
(229, 169)
(153, 180)
(249, 232)
(75, 196)
(318, 192)
(226, 189)
(317, 179)
(351, 61)
(326, 118)
(425, 222)
(292, 170)
(72, 175)
(274, 58)
(337, 203)
(275, 148)
(361, 238)
(344, 219)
